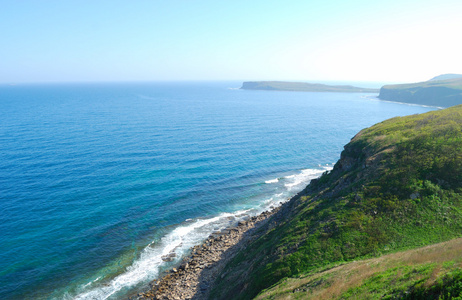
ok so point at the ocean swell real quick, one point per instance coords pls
(171, 248)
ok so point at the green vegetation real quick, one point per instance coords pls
(303, 87)
(447, 76)
(435, 92)
(397, 186)
(406, 282)
(432, 272)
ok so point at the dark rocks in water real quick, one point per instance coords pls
(167, 259)
(204, 286)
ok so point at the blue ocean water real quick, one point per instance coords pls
(99, 181)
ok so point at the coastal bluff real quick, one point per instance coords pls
(441, 91)
(397, 186)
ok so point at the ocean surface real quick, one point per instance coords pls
(99, 181)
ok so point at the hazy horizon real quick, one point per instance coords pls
(332, 41)
(238, 82)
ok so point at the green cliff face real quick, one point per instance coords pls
(441, 93)
(397, 185)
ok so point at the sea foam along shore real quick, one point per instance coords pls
(169, 251)
(194, 277)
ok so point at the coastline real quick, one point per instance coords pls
(97, 264)
(410, 104)
(176, 246)
(194, 277)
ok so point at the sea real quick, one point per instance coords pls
(99, 181)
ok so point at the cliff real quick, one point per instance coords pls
(441, 93)
(397, 186)
(303, 87)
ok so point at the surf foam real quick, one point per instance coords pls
(174, 245)
(272, 181)
(305, 176)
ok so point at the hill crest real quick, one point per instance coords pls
(446, 76)
(439, 93)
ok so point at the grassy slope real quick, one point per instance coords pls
(303, 87)
(447, 76)
(455, 83)
(432, 272)
(442, 93)
(398, 185)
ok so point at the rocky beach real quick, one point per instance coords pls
(194, 277)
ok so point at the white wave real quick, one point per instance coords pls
(176, 243)
(292, 184)
(304, 177)
(272, 180)
(193, 232)
(270, 200)
(91, 282)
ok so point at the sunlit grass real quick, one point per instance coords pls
(397, 186)
(396, 275)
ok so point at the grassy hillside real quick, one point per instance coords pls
(442, 93)
(397, 186)
(447, 76)
(431, 272)
(303, 87)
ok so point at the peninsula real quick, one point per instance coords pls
(442, 91)
(303, 87)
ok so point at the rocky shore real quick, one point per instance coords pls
(194, 277)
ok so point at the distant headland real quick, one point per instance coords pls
(443, 91)
(303, 87)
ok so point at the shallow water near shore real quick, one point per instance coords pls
(100, 182)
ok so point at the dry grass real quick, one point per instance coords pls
(332, 283)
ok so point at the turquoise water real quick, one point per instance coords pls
(99, 181)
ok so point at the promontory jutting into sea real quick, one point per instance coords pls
(105, 186)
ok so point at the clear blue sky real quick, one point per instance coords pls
(395, 40)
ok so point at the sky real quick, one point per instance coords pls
(152, 40)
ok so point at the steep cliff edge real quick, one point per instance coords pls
(397, 185)
(441, 93)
